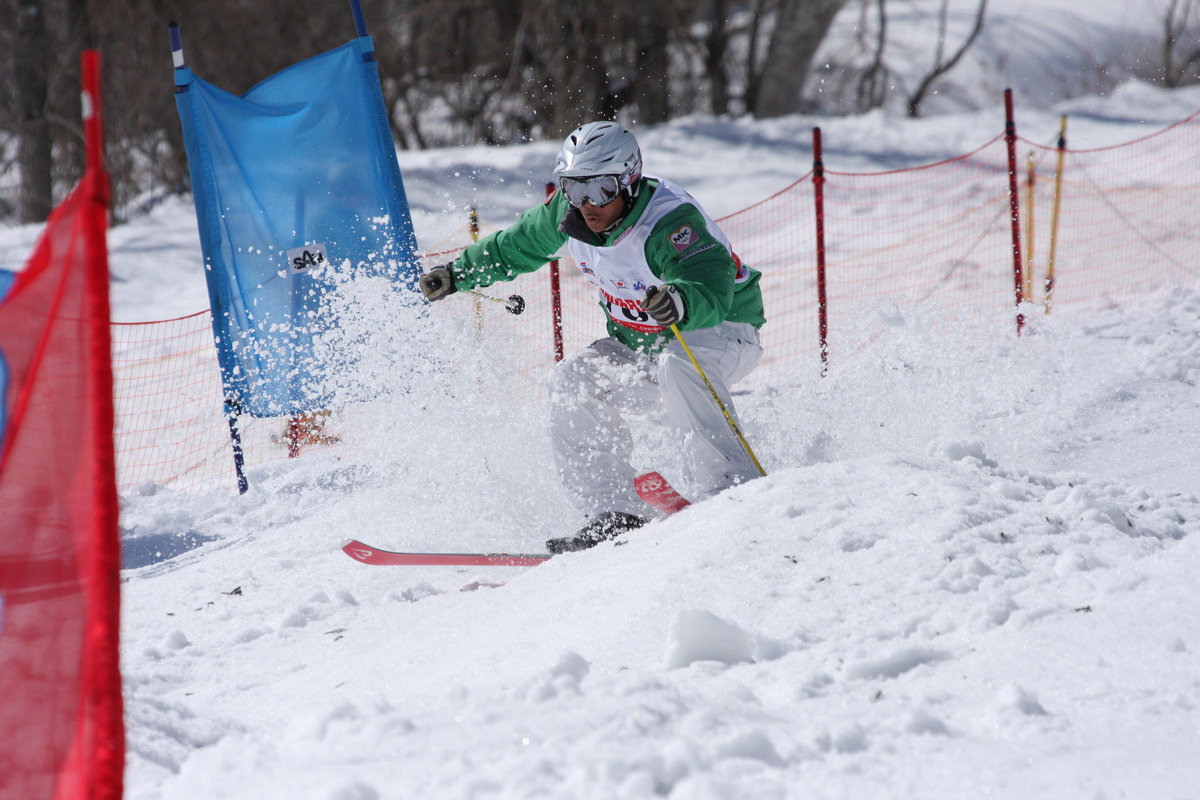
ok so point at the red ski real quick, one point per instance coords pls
(654, 489)
(367, 554)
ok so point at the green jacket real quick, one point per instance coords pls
(703, 273)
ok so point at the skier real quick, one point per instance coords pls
(657, 260)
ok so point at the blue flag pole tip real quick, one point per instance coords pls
(176, 44)
(360, 24)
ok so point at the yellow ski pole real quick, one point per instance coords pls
(725, 411)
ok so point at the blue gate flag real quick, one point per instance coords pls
(296, 186)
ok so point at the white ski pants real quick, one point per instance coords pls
(593, 391)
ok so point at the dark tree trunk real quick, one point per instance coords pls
(800, 27)
(716, 45)
(651, 90)
(33, 129)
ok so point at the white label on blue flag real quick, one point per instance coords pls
(302, 259)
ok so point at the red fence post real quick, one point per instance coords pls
(1010, 137)
(103, 735)
(819, 203)
(60, 559)
(555, 296)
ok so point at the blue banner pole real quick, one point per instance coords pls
(235, 439)
(176, 51)
(231, 406)
(360, 24)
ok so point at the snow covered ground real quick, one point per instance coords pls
(970, 571)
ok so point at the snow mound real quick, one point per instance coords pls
(699, 635)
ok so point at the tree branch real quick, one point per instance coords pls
(942, 67)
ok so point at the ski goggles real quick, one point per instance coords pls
(599, 190)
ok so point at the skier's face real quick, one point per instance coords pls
(601, 218)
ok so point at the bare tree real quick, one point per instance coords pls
(32, 64)
(872, 83)
(233, 43)
(650, 64)
(452, 71)
(715, 48)
(1180, 69)
(799, 28)
(941, 64)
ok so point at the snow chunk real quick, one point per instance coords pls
(964, 451)
(698, 635)
(963, 575)
(1016, 697)
(896, 664)
(750, 744)
(299, 617)
(923, 722)
(849, 739)
(563, 678)
(571, 665)
(248, 635)
(419, 592)
(176, 640)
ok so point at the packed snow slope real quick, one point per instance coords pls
(970, 570)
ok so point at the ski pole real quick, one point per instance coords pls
(713, 392)
(513, 304)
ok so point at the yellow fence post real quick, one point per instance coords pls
(1058, 173)
(1029, 222)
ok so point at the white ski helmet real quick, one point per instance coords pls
(601, 148)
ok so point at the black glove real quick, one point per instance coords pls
(665, 304)
(437, 283)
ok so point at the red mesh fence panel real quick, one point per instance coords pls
(60, 694)
(170, 403)
(937, 235)
(777, 236)
(1127, 220)
(171, 427)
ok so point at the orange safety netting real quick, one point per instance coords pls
(938, 235)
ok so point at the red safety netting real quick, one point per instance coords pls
(939, 236)
(170, 418)
(1127, 217)
(777, 236)
(60, 697)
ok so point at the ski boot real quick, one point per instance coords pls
(607, 525)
